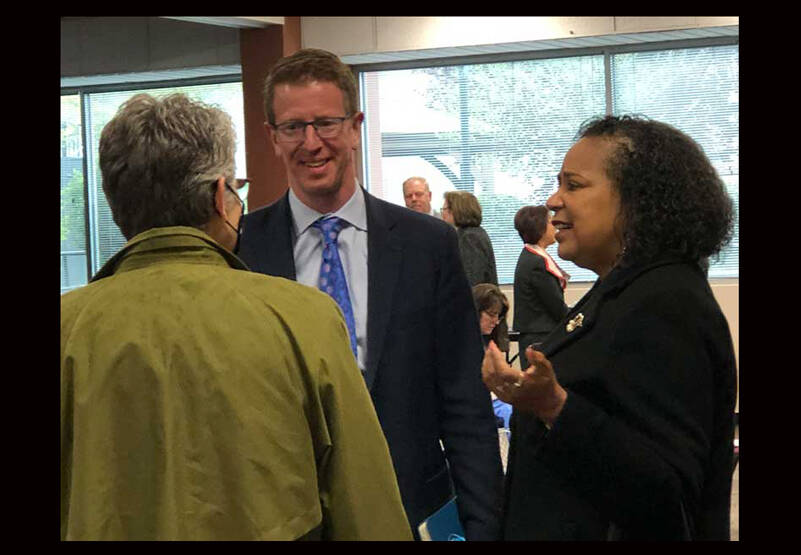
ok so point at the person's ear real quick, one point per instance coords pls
(358, 118)
(219, 197)
(272, 138)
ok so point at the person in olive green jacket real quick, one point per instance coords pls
(199, 400)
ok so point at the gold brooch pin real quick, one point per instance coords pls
(575, 322)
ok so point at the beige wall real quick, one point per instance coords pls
(372, 34)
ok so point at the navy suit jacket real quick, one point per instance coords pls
(424, 355)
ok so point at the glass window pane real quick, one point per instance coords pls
(697, 91)
(73, 222)
(498, 130)
(501, 130)
(101, 107)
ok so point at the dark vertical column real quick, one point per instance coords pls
(260, 49)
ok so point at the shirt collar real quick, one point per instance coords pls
(353, 211)
(542, 252)
(168, 240)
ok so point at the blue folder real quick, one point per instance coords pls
(443, 525)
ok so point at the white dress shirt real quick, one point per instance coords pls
(308, 253)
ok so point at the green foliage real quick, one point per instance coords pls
(72, 210)
(524, 114)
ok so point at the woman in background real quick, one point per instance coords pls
(492, 307)
(462, 210)
(540, 283)
(623, 426)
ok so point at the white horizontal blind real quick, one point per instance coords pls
(497, 130)
(697, 91)
(501, 130)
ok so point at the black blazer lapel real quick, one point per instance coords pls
(583, 316)
(270, 251)
(579, 320)
(383, 262)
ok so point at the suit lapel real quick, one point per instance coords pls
(383, 265)
(275, 256)
(584, 315)
(578, 322)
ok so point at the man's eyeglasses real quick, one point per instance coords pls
(242, 188)
(295, 131)
(241, 193)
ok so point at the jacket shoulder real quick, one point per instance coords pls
(421, 229)
(530, 262)
(277, 207)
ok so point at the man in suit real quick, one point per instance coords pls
(417, 196)
(405, 296)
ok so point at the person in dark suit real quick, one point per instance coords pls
(405, 297)
(462, 210)
(623, 426)
(539, 284)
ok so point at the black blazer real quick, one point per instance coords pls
(539, 300)
(478, 257)
(643, 445)
(423, 357)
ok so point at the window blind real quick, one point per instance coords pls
(501, 130)
(697, 91)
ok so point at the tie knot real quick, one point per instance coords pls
(330, 227)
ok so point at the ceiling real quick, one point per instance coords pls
(241, 22)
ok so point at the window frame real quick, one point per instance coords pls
(359, 69)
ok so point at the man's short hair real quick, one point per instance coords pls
(305, 66)
(415, 178)
(160, 158)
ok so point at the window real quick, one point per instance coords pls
(89, 236)
(73, 214)
(501, 129)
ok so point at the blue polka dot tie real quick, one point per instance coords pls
(332, 274)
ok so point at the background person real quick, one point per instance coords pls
(417, 196)
(198, 400)
(462, 210)
(414, 327)
(492, 307)
(623, 426)
(539, 283)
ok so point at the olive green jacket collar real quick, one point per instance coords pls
(160, 243)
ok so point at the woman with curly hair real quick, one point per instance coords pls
(623, 425)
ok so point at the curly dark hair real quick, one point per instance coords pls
(671, 197)
(531, 222)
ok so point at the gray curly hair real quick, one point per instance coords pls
(160, 157)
